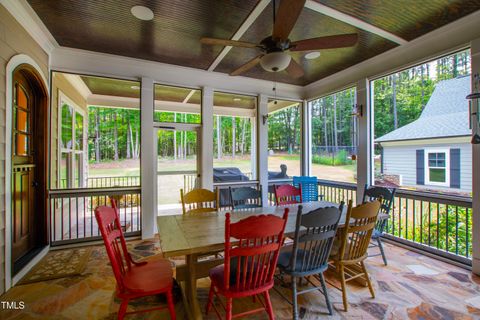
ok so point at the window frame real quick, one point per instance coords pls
(71, 152)
(429, 151)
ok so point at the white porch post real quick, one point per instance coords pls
(306, 139)
(262, 147)
(253, 146)
(475, 52)
(148, 160)
(365, 143)
(206, 142)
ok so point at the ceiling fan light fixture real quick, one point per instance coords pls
(312, 55)
(142, 13)
(275, 61)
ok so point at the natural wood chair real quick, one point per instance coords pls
(354, 240)
(372, 193)
(200, 201)
(287, 194)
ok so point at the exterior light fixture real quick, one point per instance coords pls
(275, 61)
(142, 13)
(474, 108)
(312, 55)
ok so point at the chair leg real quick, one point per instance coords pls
(325, 293)
(268, 303)
(123, 309)
(229, 308)
(210, 299)
(382, 251)
(344, 287)
(171, 305)
(370, 287)
(294, 298)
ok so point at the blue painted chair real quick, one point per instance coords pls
(309, 187)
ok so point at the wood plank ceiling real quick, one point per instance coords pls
(173, 35)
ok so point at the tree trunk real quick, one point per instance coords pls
(244, 124)
(128, 139)
(175, 138)
(219, 139)
(335, 133)
(115, 136)
(422, 86)
(97, 136)
(394, 101)
(325, 133)
(234, 136)
(132, 142)
(137, 144)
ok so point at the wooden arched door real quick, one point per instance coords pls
(29, 150)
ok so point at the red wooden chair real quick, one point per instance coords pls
(134, 279)
(249, 262)
(287, 194)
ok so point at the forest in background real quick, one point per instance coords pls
(114, 133)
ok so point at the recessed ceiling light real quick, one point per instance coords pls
(312, 55)
(142, 13)
(135, 87)
(237, 99)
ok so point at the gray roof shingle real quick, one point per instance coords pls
(445, 115)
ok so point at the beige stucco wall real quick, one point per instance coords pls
(60, 84)
(13, 40)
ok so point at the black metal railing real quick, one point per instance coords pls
(72, 217)
(440, 224)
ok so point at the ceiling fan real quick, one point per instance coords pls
(274, 56)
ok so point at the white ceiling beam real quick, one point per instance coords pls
(240, 32)
(323, 9)
(189, 95)
(78, 84)
(99, 100)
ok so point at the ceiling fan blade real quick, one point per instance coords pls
(330, 42)
(247, 66)
(287, 15)
(226, 42)
(294, 69)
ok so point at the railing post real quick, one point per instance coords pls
(148, 161)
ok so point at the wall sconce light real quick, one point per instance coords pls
(265, 118)
(357, 110)
(474, 108)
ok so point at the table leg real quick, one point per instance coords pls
(191, 287)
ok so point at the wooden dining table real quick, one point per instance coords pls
(199, 235)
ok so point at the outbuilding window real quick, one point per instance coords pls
(437, 165)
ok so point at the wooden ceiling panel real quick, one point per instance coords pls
(171, 37)
(112, 87)
(407, 19)
(310, 24)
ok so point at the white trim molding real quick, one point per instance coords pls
(445, 151)
(12, 64)
(360, 24)
(26, 16)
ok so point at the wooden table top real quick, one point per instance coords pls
(204, 233)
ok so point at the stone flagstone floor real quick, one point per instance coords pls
(412, 286)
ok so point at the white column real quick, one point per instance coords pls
(206, 140)
(306, 139)
(148, 161)
(253, 144)
(365, 139)
(475, 52)
(262, 147)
